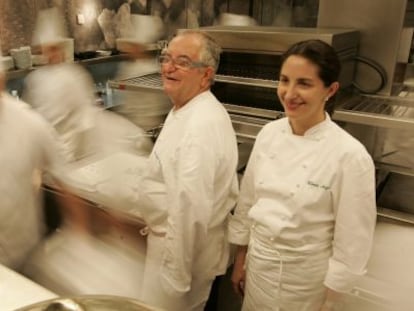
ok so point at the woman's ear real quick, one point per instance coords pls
(333, 88)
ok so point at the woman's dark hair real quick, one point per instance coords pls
(321, 54)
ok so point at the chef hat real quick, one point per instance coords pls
(230, 19)
(146, 29)
(49, 28)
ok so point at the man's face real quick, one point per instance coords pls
(182, 83)
(54, 53)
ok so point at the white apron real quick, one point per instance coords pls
(153, 292)
(282, 280)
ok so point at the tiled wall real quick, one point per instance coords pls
(17, 17)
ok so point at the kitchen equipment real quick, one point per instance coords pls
(246, 79)
(89, 303)
(384, 125)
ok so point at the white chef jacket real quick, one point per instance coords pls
(189, 191)
(87, 130)
(310, 192)
(28, 145)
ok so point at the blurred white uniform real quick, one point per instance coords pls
(187, 195)
(28, 145)
(64, 95)
(147, 109)
(86, 130)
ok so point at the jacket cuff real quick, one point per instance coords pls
(340, 278)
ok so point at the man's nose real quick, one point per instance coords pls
(169, 67)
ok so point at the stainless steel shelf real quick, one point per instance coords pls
(388, 112)
(391, 167)
(247, 81)
(153, 81)
(247, 128)
(150, 81)
(253, 112)
(395, 215)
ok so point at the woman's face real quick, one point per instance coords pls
(302, 92)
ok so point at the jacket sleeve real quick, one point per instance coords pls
(239, 224)
(189, 183)
(355, 221)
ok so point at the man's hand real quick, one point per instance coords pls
(238, 276)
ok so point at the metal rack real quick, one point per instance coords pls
(247, 121)
(150, 81)
(382, 124)
(388, 112)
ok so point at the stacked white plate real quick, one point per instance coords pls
(7, 62)
(22, 57)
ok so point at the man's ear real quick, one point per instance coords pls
(2, 81)
(208, 77)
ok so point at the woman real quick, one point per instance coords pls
(306, 214)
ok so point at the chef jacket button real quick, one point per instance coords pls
(272, 156)
(304, 166)
(297, 185)
(292, 193)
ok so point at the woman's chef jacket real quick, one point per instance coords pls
(310, 192)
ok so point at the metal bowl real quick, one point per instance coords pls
(89, 303)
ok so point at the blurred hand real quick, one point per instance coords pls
(333, 301)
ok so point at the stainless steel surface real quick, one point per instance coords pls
(384, 124)
(253, 42)
(380, 23)
(272, 84)
(89, 303)
(388, 112)
(253, 112)
(276, 40)
(247, 128)
(149, 82)
(247, 121)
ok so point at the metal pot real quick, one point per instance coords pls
(89, 303)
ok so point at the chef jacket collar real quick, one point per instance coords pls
(193, 102)
(317, 132)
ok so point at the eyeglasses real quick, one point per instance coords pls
(181, 62)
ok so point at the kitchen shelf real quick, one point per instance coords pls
(253, 111)
(153, 81)
(388, 112)
(395, 215)
(247, 81)
(150, 81)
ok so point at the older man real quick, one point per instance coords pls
(191, 184)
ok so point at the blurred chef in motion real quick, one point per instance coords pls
(145, 109)
(63, 93)
(29, 147)
(191, 185)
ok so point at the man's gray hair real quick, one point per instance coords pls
(210, 50)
